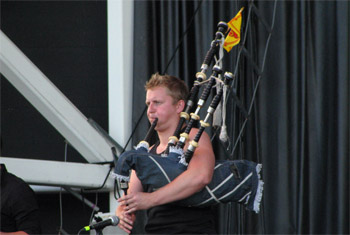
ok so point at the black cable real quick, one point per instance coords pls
(145, 108)
(93, 211)
(106, 178)
(259, 78)
(103, 184)
(183, 36)
(81, 230)
(116, 190)
(166, 68)
(60, 193)
(133, 131)
(252, 103)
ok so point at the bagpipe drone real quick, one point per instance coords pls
(233, 180)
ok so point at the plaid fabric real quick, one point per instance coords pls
(233, 181)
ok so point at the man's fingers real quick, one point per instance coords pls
(125, 224)
(130, 209)
(128, 221)
(125, 229)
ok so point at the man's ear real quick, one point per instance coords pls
(180, 106)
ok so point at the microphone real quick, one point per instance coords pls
(113, 220)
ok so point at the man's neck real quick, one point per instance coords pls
(164, 138)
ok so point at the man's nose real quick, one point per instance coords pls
(151, 108)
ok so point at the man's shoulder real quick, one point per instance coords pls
(11, 183)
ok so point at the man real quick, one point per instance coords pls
(165, 99)
(19, 208)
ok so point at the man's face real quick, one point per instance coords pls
(160, 105)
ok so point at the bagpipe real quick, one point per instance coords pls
(233, 180)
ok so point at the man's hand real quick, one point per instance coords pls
(126, 220)
(136, 201)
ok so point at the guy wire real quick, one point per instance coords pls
(166, 68)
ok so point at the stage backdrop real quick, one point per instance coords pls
(298, 127)
(67, 41)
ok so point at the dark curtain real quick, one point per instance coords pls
(292, 77)
(304, 119)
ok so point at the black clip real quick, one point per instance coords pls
(235, 171)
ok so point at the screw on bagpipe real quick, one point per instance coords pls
(200, 77)
(228, 77)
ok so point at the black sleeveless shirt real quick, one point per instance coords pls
(173, 219)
